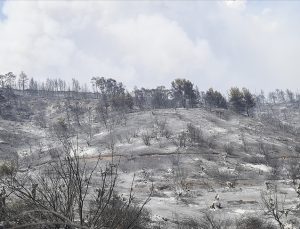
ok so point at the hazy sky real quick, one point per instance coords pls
(214, 44)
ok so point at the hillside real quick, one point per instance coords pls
(188, 155)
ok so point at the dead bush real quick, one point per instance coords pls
(244, 143)
(119, 138)
(297, 148)
(146, 137)
(135, 133)
(180, 176)
(160, 124)
(229, 148)
(131, 216)
(207, 221)
(162, 143)
(254, 160)
(195, 134)
(273, 121)
(180, 140)
(276, 166)
(188, 223)
(221, 176)
(293, 169)
(162, 127)
(210, 220)
(40, 119)
(7, 169)
(54, 153)
(263, 148)
(253, 222)
(128, 136)
(211, 141)
(167, 133)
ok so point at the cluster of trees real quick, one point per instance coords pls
(215, 99)
(24, 83)
(8, 80)
(182, 93)
(279, 96)
(151, 98)
(241, 100)
(112, 93)
(11, 81)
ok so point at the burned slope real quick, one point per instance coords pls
(190, 156)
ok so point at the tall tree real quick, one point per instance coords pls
(10, 80)
(183, 93)
(249, 100)
(290, 95)
(159, 97)
(33, 85)
(23, 80)
(241, 100)
(49, 85)
(75, 85)
(2, 80)
(280, 95)
(261, 97)
(236, 99)
(140, 98)
(272, 97)
(112, 92)
(215, 99)
(61, 85)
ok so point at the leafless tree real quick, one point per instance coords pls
(23, 81)
(275, 206)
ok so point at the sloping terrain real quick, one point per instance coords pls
(192, 157)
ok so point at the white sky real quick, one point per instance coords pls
(214, 44)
